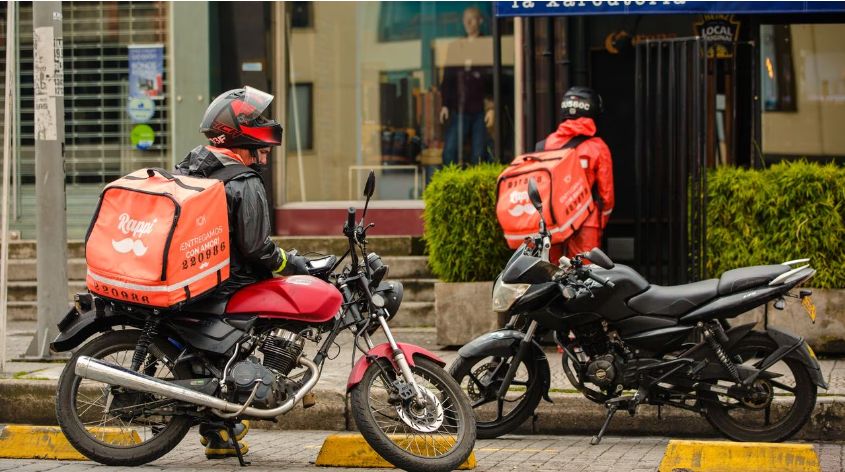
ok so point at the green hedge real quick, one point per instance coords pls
(789, 211)
(462, 235)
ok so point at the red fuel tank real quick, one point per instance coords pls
(299, 297)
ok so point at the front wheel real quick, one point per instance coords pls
(436, 435)
(482, 376)
(762, 419)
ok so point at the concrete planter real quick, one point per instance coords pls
(464, 312)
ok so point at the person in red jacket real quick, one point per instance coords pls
(580, 106)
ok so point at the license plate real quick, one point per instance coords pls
(808, 305)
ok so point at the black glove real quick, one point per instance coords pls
(296, 265)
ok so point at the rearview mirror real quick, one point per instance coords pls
(370, 186)
(599, 258)
(534, 195)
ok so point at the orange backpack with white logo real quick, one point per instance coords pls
(567, 200)
(159, 240)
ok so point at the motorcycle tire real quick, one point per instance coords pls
(734, 420)
(158, 440)
(466, 370)
(438, 437)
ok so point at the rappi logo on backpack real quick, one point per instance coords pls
(517, 198)
(138, 229)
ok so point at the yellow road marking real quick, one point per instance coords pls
(723, 456)
(48, 442)
(352, 450)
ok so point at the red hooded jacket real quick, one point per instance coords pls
(595, 160)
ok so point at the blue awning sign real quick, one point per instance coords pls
(514, 8)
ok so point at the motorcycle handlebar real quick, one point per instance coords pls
(598, 279)
(350, 218)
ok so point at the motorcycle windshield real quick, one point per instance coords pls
(529, 270)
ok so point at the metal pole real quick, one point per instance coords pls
(9, 122)
(498, 116)
(671, 175)
(519, 87)
(695, 136)
(658, 167)
(530, 86)
(551, 105)
(683, 140)
(649, 143)
(50, 221)
(639, 129)
(292, 74)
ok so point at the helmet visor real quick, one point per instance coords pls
(254, 103)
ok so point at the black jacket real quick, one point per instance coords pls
(253, 255)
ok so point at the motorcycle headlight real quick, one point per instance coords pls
(505, 295)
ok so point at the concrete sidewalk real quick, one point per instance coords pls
(33, 384)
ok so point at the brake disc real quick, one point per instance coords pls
(424, 418)
(473, 389)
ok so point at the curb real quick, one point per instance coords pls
(45, 442)
(33, 402)
(352, 450)
(701, 456)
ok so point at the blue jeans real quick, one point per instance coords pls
(461, 125)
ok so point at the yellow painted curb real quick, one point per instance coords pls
(724, 456)
(352, 450)
(48, 442)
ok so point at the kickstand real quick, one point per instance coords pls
(610, 412)
(231, 428)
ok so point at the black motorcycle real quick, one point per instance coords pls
(626, 342)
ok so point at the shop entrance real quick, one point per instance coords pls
(685, 109)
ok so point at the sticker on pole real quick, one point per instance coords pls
(142, 136)
(140, 110)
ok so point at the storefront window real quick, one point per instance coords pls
(803, 73)
(402, 89)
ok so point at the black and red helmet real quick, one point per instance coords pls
(581, 102)
(233, 120)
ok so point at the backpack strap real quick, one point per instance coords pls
(575, 142)
(227, 173)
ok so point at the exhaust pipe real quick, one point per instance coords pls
(95, 369)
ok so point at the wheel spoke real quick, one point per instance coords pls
(783, 386)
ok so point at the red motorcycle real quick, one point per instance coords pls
(128, 396)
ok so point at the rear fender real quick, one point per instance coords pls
(384, 350)
(77, 327)
(505, 343)
(794, 347)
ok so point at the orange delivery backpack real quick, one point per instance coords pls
(567, 200)
(158, 239)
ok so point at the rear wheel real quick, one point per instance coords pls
(782, 405)
(436, 435)
(482, 376)
(110, 425)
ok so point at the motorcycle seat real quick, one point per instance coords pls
(676, 300)
(737, 280)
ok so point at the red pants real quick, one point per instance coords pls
(582, 241)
